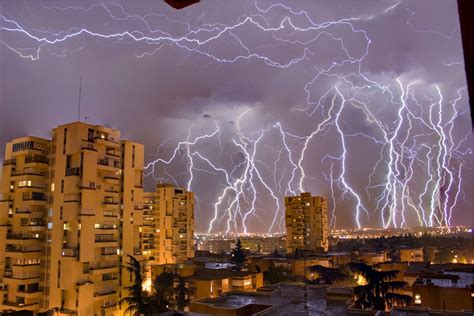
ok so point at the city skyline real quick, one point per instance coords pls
(238, 112)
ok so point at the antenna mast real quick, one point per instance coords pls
(79, 104)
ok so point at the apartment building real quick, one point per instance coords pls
(306, 219)
(23, 208)
(83, 196)
(173, 227)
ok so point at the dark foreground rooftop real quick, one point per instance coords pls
(283, 299)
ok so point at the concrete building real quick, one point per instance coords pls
(411, 254)
(282, 299)
(23, 207)
(76, 202)
(215, 282)
(450, 290)
(173, 223)
(306, 220)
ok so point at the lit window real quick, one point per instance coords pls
(417, 299)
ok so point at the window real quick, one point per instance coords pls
(64, 141)
(25, 183)
(133, 156)
(23, 146)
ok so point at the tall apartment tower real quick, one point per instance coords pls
(173, 226)
(306, 220)
(88, 199)
(23, 211)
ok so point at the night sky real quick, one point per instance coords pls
(245, 102)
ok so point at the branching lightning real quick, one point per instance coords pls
(414, 141)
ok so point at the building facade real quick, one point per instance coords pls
(306, 219)
(83, 196)
(173, 225)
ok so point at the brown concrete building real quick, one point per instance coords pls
(411, 254)
(209, 283)
(306, 219)
(71, 210)
(172, 219)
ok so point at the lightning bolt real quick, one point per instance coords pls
(419, 168)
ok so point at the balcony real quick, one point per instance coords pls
(34, 196)
(6, 197)
(110, 214)
(18, 306)
(108, 251)
(87, 185)
(40, 159)
(87, 145)
(70, 252)
(106, 139)
(9, 162)
(108, 304)
(22, 237)
(105, 293)
(106, 226)
(112, 178)
(75, 198)
(28, 171)
(86, 212)
(22, 248)
(73, 172)
(105, 238)
(110, 201)
(102, 268)
(137, 251)
(112, 163)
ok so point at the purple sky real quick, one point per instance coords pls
(248, 101)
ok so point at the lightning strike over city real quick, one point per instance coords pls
(246, 102)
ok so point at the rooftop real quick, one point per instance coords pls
(285, 299)
(216, 274)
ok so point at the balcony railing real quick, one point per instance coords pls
(105, 238)
(110, 214)
(109, 251)
(27, 171)
(112, 177)
(103, 265)
(9, 162)
(22, 248)
(70, 252)
(108, 292)
(137, 251)
(22, 236)
(73, 172)
(6, 197)
(71, 198)
(109, 162)
(34, 196)
(87, 145)
(36, 159)
(109, 200)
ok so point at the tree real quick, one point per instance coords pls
(379, 292)
(276, 275)
(238, 255)
(137, 302)
(163, 292)
(327, 275)
(181, 300)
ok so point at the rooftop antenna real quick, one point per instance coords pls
(79, 104)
